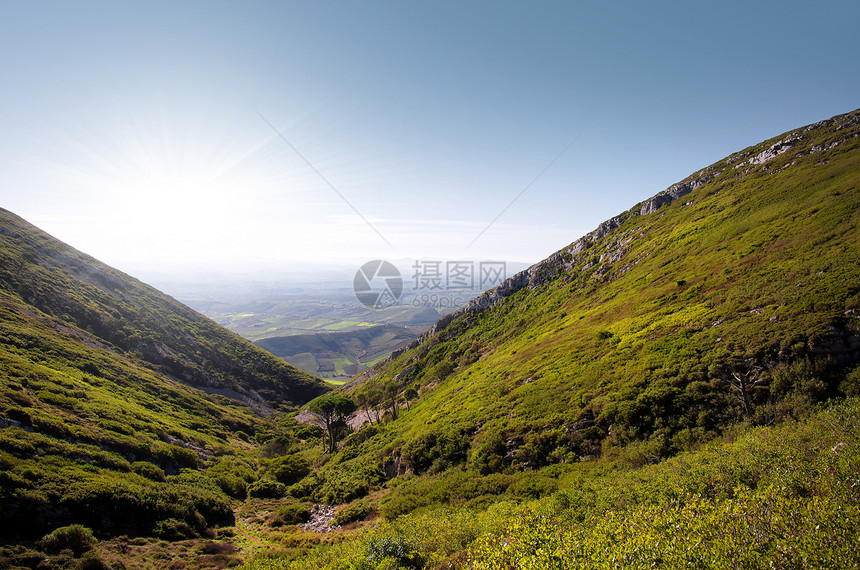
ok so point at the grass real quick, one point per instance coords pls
(100, 422)
(679, 391)
(623, 350)
(773, 496)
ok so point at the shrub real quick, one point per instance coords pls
(234, 486)
(532, 487)
(148, 470)
(172, 529)
(219, 548)
(267, 489)
(76, 538)
(355, 511)
(850, 386)
(91, 561)
(350, 481)
(291, 513)
(435, 451)
(289, 469)
(393, 548)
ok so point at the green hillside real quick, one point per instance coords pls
(135, 320)
(105, 418)
(680, 359)
(678, 388)
(635, 334)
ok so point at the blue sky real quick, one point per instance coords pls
(139, 131)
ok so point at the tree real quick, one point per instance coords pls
(333, 411)
(745, 383)
(392, 390)
(745, 380)
(409, 395)
(367, 401)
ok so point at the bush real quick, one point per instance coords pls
(395, 549)
(850, 386)
(148, 470)
(289, 469)
(172, 529)
(234, 486)
(352, 480)
(76, 538)
(291, 513)
(353, 512)
(532, 487)
(91, 561)
(267, 489)
(435, 451)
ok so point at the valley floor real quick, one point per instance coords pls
(786, 496)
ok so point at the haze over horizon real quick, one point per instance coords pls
(217, 136)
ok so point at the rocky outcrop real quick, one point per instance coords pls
(672, 193)
(322, 519)
(775, 150)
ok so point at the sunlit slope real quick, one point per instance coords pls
(140, 322)
(89, 436)
(100, 422)
(642, 332)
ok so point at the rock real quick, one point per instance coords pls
(775, 150)
(321, 519)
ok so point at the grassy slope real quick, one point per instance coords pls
(630, 337)
(96, 426)
(619, 352)
(773, 497)
(136, 320)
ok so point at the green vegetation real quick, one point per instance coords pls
(102, 307)
(737, 303)
(679, 388)
(100, 422)
(635, 349)
(780, 497)
(74, 537)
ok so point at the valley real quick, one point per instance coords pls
(679, 387)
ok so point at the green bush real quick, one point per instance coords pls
(289, 469)
(76, 538)
(291, 513)
(532, 487)
(850, 386)
(148, 470)
(343, 482)
(435, 451)
(234, 486)
(355, 511)
(91, 561)
(172, 529)
(395, 549)
(267, 489)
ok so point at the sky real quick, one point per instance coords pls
(214, 134)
